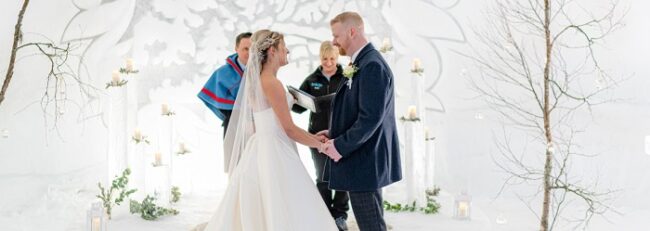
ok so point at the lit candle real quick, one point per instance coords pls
(96, 224)
(386, 43)
(412, 112)
(137, 134)
(426, 133)
(116, 77)
(417, 64)
(129, 65)
(462, 209)
(165, 109)
(158, 159)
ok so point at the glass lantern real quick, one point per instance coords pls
(96, 218)
(462, 207)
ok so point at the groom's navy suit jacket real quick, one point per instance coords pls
(363, 127)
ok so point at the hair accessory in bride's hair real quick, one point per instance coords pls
(265, 44)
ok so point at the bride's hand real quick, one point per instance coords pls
(322, 136)
(322, 139)
(323, 132)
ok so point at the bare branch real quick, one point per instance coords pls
(17, 38)
(534, 89)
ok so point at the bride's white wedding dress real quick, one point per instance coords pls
(269, 189)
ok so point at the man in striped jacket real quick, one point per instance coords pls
(220, 91)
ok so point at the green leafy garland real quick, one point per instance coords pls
(149, 210)
(118, 184)
(432, 206)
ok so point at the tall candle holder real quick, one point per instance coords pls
(414, 172)
(116, 155)
(429, 159)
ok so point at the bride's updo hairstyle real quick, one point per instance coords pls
(264, 39)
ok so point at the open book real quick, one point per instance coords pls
(314, 104)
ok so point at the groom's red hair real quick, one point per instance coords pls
(348, 18)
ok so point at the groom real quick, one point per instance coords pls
(363, 147)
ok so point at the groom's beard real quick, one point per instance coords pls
(341, 51)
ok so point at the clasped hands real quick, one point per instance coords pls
(327, 146)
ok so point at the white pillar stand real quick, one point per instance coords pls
(389, 56)
(138, 163)
(414, 162)
(165, 140)
(160, 184)
(132, 115)
(166, 143)
(429, 162)
(117, 134)
(417, 97)
(182, 173)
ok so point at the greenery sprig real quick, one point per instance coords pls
(119, 184)
(409, 119)
(176, 194)
(118, 84)
(432, 206)
(127, 71)
(148, 209)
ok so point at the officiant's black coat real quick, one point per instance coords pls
(317, 85)
(364, 129)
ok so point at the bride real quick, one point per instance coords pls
(269, 188)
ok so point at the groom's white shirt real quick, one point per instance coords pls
(356, 53)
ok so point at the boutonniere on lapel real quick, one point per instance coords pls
(348, 72)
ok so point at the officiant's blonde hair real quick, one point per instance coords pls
(328, 50)
(348, 18)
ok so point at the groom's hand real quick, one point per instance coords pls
(330, 150)
(323, 147)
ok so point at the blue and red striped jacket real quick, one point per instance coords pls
(221, 89)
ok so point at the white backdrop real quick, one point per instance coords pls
(177, 44)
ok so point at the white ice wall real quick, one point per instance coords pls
(177, 44)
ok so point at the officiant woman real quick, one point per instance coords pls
(323, 82)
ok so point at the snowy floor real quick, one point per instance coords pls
(59, 202)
